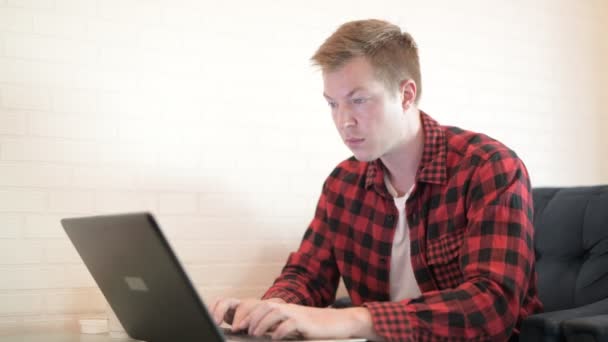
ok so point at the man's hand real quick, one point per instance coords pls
(296, 321)
(235, 311)
(222, 310)
(281, 320)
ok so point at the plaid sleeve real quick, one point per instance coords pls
(310, 276)
(496, 260)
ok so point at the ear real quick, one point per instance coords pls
(407, 93)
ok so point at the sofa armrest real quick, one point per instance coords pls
(592, 329)
(547, 326)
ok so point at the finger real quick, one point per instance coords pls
(222, 308)
(271, 319)
(257, 315)
(229, 311)
(216, 311)
(241, 314)
(242, 325)
(213, 304)
(213, 308)
(287, 329)
(229, 316)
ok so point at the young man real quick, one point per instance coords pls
(429, 226)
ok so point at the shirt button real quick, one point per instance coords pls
(390, 218)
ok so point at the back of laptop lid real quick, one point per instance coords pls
(140, 276)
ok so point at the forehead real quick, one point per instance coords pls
(356, 73)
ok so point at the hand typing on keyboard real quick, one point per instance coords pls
(281, 320)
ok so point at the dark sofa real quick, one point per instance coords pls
(571, 244)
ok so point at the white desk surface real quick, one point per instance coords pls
(59, 337)
(69, 337)
(72, 335)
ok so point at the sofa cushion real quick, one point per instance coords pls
(571, 245)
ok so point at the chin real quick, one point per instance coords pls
(363, 157)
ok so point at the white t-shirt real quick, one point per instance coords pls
(403, 284)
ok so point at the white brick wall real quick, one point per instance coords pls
(43, 226)
(12, 124)
(20, 97)
(11, 226)
(74, 301)
(32, 4)
(15, 20)
(72, 127)
(602, 100)
(21, 252)
(21, 304)
(36, 47)
(34, 174)
(49, 150)
(23, 200)
(62, 25)
(220, 129)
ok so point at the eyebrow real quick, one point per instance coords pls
(350, 93)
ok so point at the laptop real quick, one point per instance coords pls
(141, 278)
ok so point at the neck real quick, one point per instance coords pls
(402, 161)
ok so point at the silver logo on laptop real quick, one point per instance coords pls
(136, 284)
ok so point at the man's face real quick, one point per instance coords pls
(367, 115)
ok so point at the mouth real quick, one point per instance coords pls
(353, 142)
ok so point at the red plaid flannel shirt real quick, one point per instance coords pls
(470, 223)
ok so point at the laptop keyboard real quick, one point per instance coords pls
(242, 336)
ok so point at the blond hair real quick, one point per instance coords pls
(392, 53)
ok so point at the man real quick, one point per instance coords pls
(429, 226)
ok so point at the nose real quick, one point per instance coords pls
(344, 117)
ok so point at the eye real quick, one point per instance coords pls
(359, 100)
(332, 104)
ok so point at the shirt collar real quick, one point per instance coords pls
(433, 164)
